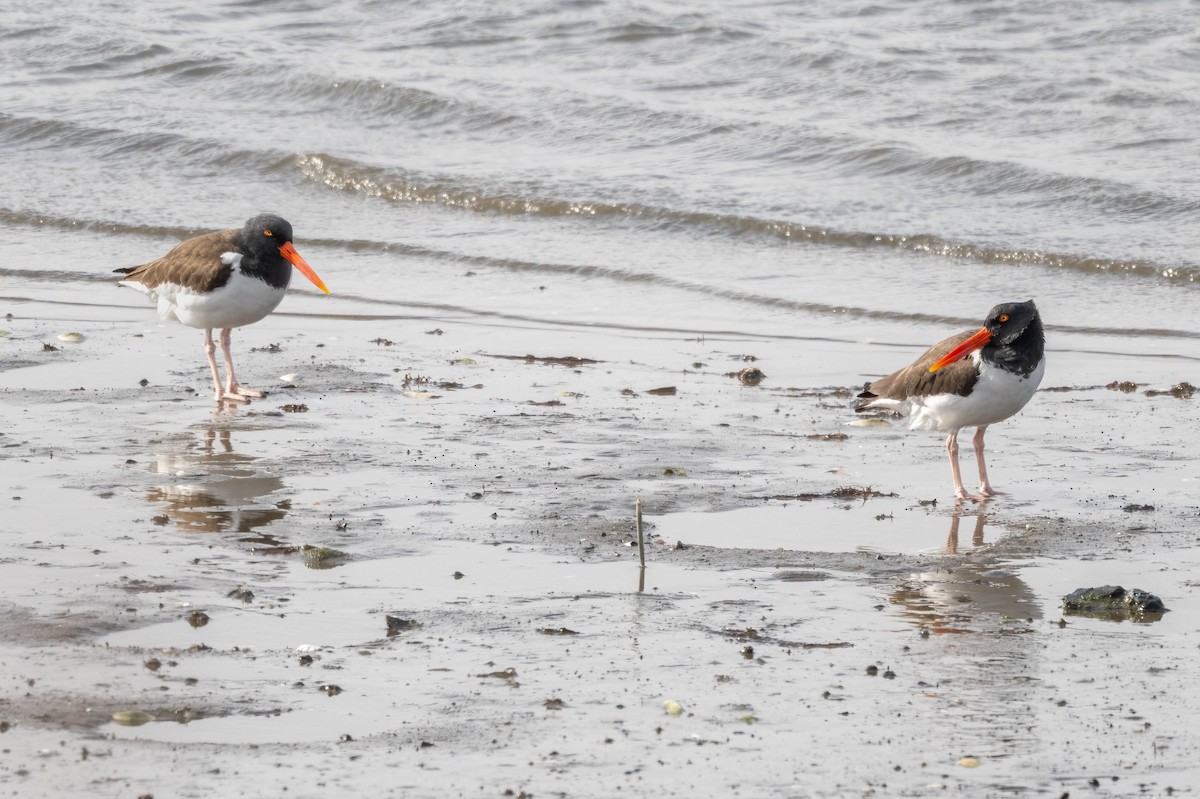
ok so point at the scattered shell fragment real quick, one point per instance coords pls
(419, 394)
(132, 718)
(73, 338)
(323, 557)
(672, 707)
(289, 378)
(509, 675)
(969, 762)
(397, 625)
(750, 376)
(242, 593)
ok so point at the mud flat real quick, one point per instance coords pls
(466, 619)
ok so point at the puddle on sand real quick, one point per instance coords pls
(475, 609)
(1032, 589)
(447, 572)
(1168, 574)
(949, 601)
(882, 524)
(233, 495)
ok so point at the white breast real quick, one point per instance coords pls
(241, 301)
(997, 395)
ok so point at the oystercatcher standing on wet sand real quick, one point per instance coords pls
(945, 390)
(224, 279)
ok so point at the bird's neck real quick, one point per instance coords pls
(1021, 355)
(269, 267)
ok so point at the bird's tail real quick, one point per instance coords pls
(865, 399)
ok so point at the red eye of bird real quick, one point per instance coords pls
(1003, 316)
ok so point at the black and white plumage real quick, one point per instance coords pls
(946, 390)
(224, 279)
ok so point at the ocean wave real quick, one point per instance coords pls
(16, 218)
(111, 143)
(998, 178)
(190, 69)
(87, 54)
(403, 187)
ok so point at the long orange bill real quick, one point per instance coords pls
(289, 252)
(970, 345)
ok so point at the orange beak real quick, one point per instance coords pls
(970, 345)
(289, 252)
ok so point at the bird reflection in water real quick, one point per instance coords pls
(976, 538)
(976, 590)
(217, 490)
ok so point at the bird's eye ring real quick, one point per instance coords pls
(1003, 316)
(267, 232)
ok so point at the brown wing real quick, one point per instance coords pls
(915, 380)
(195, 263)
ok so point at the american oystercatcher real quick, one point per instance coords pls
(224, 279)
(944, 390)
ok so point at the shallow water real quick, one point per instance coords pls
(880, 525)
(863, 171)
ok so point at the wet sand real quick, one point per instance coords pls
(819, 643)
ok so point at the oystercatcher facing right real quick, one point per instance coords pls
(224, 279)
(947, 391)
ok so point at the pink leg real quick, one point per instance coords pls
(234, 392)
(210, 350)
(985, 487)
(952, 451)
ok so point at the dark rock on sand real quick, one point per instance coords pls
(1113, 601)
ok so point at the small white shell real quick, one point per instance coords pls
(132, 718)
(870, 422)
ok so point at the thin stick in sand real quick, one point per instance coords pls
(637, 505)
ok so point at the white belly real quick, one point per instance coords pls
(996, 396)
(241, 301)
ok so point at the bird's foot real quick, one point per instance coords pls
(232, 399)
(238, 390)
(964, 496)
